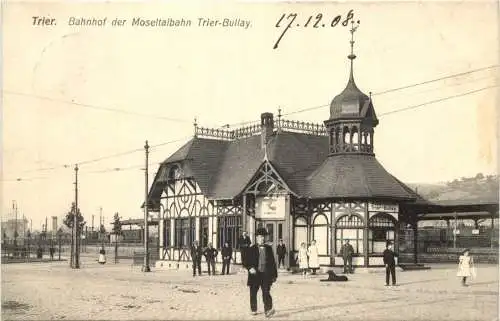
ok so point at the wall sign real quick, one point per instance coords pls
(271, 207)
(376, 207)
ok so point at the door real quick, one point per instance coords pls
(275, 232)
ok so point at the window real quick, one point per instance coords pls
(185, 230)
(381, 231)
(229, 230)
(349, 227)
(300, 232)
(320, 233)
(203, 231)
(166, 233)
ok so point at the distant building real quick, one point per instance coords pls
(10, 226)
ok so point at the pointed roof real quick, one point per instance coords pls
(352, 103)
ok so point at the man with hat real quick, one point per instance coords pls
(262, 272)
(390, 264)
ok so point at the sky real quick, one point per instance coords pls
(74, 94)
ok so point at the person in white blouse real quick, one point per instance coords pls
(313, 254)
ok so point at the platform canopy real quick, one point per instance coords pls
(140, 221)
(457, 209)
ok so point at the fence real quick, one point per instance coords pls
(441, 245)
(31, 249)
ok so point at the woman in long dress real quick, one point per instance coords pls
(465, 265)
(312, 252)
(302, 256)
(102, 256)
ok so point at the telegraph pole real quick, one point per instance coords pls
(14, 208)
(76, 260)
(146, 267)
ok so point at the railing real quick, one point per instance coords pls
(247, 131)
(301, 127)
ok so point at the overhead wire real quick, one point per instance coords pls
(285, 114)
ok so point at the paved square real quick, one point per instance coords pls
(113, 292)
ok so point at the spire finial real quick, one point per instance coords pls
(352, 56)
(354, 27)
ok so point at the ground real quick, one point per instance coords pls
(34, 291)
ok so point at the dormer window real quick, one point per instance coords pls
(175, 173)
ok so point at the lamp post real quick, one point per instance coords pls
(146, 267)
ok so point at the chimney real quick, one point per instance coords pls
(267, 127)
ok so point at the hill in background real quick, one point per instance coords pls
(477, 188)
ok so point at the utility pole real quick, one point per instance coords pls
(14, 208)
(146, 267)
(76, 261)
(24, 230)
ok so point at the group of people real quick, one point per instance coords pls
(308, 258)
(210, 253)
(259, 261)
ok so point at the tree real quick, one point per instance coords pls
(69, 221)
(70, 218)
(117, 230)
(117, 225)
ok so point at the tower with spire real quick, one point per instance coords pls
(352, 116)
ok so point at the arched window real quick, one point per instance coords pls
(300, 232)
(355, 139)
(347, 136)
(382, 229)
(349, 227)
(320, 233)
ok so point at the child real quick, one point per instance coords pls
(465, 263)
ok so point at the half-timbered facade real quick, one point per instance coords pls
(300, 181)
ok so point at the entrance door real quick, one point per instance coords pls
(275, 232)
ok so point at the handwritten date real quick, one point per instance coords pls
(292, 20)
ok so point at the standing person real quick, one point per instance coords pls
(313, 254)
(227, 253)
(465, 265)
(346, 252)
(262, 272)
(210, 255)
(390, 264)
(102, 255)
(281, 252)
(196, 253)
(243, 244)
(302, 256)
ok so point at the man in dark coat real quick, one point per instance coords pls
(281, 252)
(347, 251)
(196, 253)
(262, 272)
(210, 255)
(227, 253)
(390, 264)
(243, 244)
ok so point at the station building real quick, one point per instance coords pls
(301, 181)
